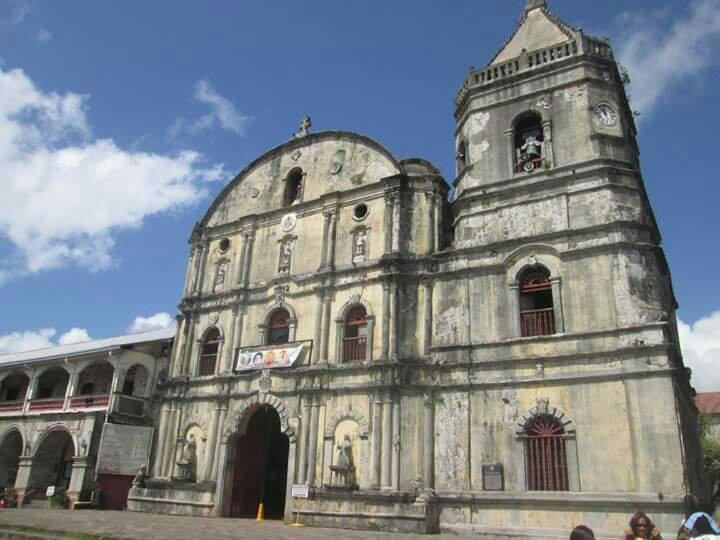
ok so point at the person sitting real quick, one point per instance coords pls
(641, 528)
(581, 532)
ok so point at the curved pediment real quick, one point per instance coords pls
(330, 161)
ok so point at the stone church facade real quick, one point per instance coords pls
(499, 356)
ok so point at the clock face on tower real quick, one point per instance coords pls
(605, 114)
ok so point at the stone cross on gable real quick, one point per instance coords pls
(535, 4)
(305, 125)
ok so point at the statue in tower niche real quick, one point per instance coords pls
(220, 276)
(343, 471)
(188, 460)
(360, 248)
(286, 252)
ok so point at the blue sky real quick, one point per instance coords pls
(171, 98)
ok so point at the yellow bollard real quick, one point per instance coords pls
(261, 513)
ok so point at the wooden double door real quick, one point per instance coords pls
(261, 465)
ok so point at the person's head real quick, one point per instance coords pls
(581, 532)
(641, 525)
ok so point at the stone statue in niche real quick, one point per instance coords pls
(360, 248)
(220, 275)
(345, 454)
(343, 472)
(188, 460)
(286, 252)
(338, 162)
(140, 477)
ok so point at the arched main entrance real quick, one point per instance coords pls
(261, 466)
(10, 450)
(52, 462)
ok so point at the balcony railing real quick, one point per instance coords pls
(538, 322)
(354, 349)
(51, 404)
(89, 402)
(11, 406)
(133, 406)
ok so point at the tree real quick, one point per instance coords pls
(711, 451)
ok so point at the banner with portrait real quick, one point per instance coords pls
(269, 356)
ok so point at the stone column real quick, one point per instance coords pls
(396, 442)
(22, 480)
(31, 391)
(430, 232)
(227, 361)
(304, 442)
(557, 306)
(247, 258)
(317, 345)
(189, 345)
(376, 443)
(240, 272)
(510, 134)
(74, 376)
(80, 466)
(394, 322)
(547, 147)
(331, 239)
(437, 220)
(388, 225)
(514, 309)
(428, 313)
(396, 223)
(210, 458)
(386, 467)
(312, 447)
(326, 328)
(220, 441)
(237, 335)
(385, 345)
(200, 274)
(221, 453)
(178, 346)
(429, 441)
(326, 232)
(369, 345)
(172, 429)
(188, 273)
(161, 436)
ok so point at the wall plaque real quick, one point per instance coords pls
(493, 478)
(124, 449)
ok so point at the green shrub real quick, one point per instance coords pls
(60, 499)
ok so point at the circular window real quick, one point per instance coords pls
(224, 244)
(360, 211)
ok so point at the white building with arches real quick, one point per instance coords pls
(54, 404)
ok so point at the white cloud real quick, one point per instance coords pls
(15, 11)
(700, 345)
(661, 49)
(223, 114)
(154, 322)
(32, 340)
(65, 194)
(27, 341)
(43, 36)
(74, 335)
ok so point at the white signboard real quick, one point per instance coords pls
(268, 356)
(300, 491)
(124, 449)
(50, 491)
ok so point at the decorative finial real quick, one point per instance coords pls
(305, 125)
(535, 4)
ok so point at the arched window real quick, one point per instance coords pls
(547, 468)
(209, 353)
(537, 314)
(528, 141)
(355, 335)
(279, 327)
(135, 382)
(293, 187)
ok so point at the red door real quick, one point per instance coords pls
(114, 489)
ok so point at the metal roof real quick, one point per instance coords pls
(98, 345)
(708, 403)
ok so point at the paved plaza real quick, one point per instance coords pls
(138, 526)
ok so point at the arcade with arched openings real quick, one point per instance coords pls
(52, 463)
(258, 472)
(11, 446)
